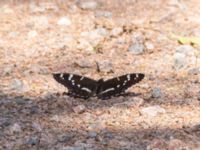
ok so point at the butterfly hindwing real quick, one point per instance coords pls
(118, 85)
(78, 86)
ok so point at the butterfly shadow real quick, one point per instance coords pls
(127, 94)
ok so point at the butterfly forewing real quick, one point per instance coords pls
(78, 86)
(118, 85)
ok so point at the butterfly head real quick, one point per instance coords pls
(100, 81)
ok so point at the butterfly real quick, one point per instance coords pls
(84, 87)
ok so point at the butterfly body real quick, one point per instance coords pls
(84, 87)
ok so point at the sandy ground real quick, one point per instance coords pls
(39, 38)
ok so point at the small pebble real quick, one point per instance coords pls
(105, 66)
(65, 138)
(187, 50)
(20, 101)
(88, 5)
(32, 34)
(157, 144)
(33, 109)
(4, 122)
(47, 96)
(194, 71)
(36, 9)
(7, 70)
(106, 14)
(102, 31)
(39, 22)
(152, 111)
(32, 140)
(15, 128)
(84, 63)
(176, 144)
(179, 61)
(137, 37)
(6, 9)
(64, 21)
(37, 126)
(18, 85)
(156, 93)
(198, 96)
(184, 55)
(108, 135)
(94, 37)
(14, 34)
(92, 134)
(116, 31)
(72, 148)
(136, 48)
(79, 109)
(149, 46)
(83, 44)
(120, 41)
(36, 69)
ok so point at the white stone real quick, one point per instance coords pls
(64, 21)
(32, 34)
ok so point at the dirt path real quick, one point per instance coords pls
(99, 39)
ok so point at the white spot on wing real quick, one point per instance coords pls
(86, 89)
(79, 85)
(128, 77)
(61, 76)
(118, 86)
(70, 77)
(73, 82)
(110, 89)
(82, 78)
(125, 82)
(136, 75)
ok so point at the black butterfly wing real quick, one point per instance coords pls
(78, 86)
(118, 85)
